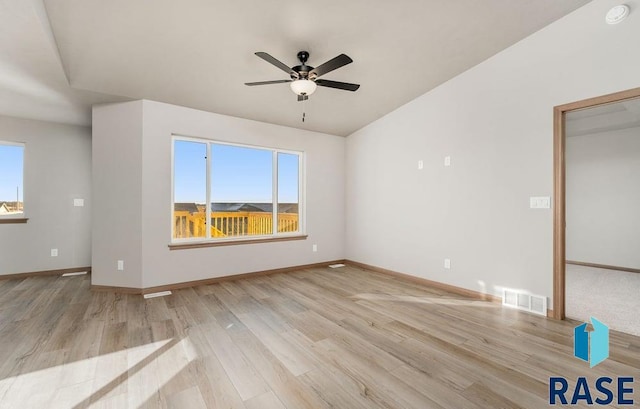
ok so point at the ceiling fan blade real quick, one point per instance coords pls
(333, 64)
(251, 84)
(271, 60)
(339, 85)
(303, 98)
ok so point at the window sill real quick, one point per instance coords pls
(201, 244)
(13, 220)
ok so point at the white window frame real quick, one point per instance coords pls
(24, 150)
(274, 185)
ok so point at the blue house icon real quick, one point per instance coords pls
(593, 346)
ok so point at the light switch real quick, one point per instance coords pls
(420, 165)
(447, 263)
(540, 202)
(447, 161)
(78, 202)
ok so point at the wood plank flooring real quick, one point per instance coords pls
(318, 338)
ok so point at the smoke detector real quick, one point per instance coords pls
(617, 14)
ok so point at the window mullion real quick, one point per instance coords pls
(275, 192)
(207, 221)
(301, 195)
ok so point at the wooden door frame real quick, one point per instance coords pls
(559, 189)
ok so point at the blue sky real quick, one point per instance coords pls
(238, 174)
(11, 170)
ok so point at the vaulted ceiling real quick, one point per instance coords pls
(61, 56)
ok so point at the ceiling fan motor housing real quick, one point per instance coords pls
(302, 71)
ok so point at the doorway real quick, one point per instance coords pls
(604, 104)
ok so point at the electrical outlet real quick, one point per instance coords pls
(54, 252)
(447, 263)
(315, 248)
(120, 265)
(78, 202)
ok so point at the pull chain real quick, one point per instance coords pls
(304, 102)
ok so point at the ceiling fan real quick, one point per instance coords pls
(305, 78)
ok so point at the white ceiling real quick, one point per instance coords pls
(199, 53)
(603, 118)
(32, 81)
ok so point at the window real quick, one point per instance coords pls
(243, 192)
(11, 179)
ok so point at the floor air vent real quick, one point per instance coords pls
(158, 294)
(528, 302)
(79, 273)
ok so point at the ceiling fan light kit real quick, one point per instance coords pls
(303, 87)
(304, 79)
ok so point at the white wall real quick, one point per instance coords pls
(117, 194)
(603, 198)
(159, 265)
(57, 170)
(495, 121)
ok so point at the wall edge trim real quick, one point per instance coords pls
(604, 266)
(212, 280)
(435, 284)
(45, 273)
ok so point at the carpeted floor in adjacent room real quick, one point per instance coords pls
(612, 297)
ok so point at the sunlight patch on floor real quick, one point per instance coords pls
(101, 377)
(144, 385)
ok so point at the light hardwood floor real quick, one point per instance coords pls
(319, 338)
